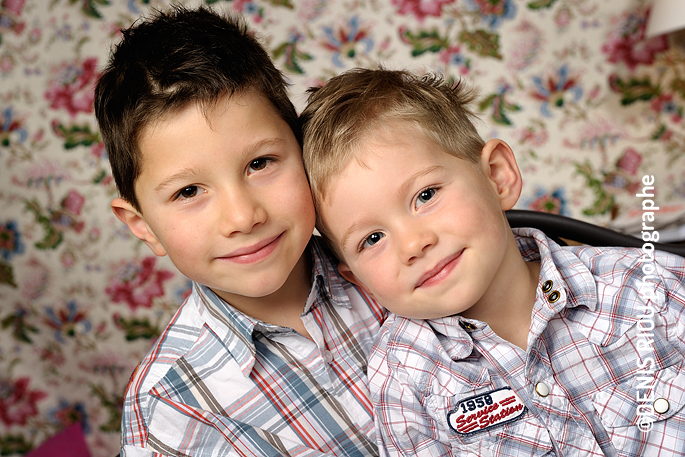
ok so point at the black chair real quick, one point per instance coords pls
(557, 227)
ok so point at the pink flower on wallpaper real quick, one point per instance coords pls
(73, 202)
(525, 46)
(72, 88)
(6, 64)
(36, 280)
(452, 55)
(65, 217)
(630, 161)
(547, 201)
(421, 8)
(137, 285)
(249, 8)
(627, 43)
(563, 17)
(13, 6)
(67, 413)
(310, 10)
(17, 402)
(664, 103)
(9, 14)
(53, 355)
(534, 135)
(599, 133)
(98, 150)
(546, 204)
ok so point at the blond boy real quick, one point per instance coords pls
(502, 342)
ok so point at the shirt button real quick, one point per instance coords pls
(661, 405)
(547, 286)
(542, 389)
(467, 325)
(327, 357)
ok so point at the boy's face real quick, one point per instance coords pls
(225, 196)
(421, 230)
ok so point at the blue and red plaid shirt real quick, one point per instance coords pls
(218, 383)
(604, 362)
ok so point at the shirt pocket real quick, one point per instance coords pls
(645, 413)
(491, 421)
(523, 437)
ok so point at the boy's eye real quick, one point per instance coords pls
(187, 192)
(424, 196)
(259, 164)
(371, 240)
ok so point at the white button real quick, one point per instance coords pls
(542, 389)
(661, 405)
(327, 357)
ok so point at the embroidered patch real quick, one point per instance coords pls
(487, 410)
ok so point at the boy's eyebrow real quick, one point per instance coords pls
(409, 182)
(182, 175)
(404, 188)
(350, 230)
(185, 173)
(253, 148)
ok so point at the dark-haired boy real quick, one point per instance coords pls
(268, 354)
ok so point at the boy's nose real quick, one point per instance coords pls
(415, 242)
(240, 213)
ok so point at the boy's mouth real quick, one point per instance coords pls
(440, 271)
(256, 252)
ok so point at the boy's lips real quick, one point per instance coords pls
(440, 271)
(254, 253)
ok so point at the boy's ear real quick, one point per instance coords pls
(346, 273)
(127, 214)
(499, 165)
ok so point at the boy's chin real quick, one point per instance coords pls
(250, 291)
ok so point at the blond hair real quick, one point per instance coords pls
(348, 106)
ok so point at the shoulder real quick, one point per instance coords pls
(406, 345)
(630, 283)
(625, 270)
(177, 339)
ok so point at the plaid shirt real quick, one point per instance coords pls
(602, 361)
(218, 383)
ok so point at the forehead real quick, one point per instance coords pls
(240, 118)
(380, 151)
(397, 138)
(199, 142)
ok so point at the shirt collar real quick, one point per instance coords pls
(458, 343)
(236, 329)
(325, 277)
(568, 274)
(569, 277)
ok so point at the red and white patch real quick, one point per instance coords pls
(487, 410)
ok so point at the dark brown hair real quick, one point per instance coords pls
(167, 62)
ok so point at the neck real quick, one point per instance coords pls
(508, 304)
(284, 306)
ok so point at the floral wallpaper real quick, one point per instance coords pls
(589, 104)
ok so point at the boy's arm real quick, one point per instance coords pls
(403, 426)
